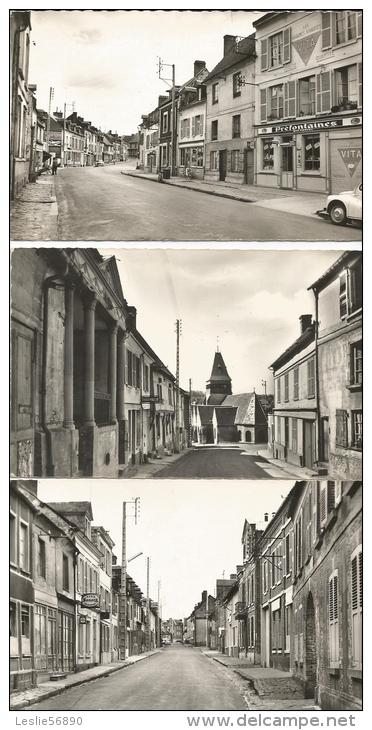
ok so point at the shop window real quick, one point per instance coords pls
(312, 153)
(345, 26)
(306, 96)
(13, 620)
(25, 622)
(235, 167)
(341, 428)
(276, 102)
(236, 126)
(311, 378)
(214, 93)
(288, 623)
(333, 610)
(357, 606)
(357, 429)
(214, 129)
(268, 159)
(356, 363)
(41, 558)
(237, 84)
(346, 87)
(214, 160)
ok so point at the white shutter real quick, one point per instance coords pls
(287, 45)
(323, 504)
(290, 99)
(359, 23)
(263, 104)
(323, 92)
(193, 126)
(356, 605)
(326, 30)
(360, 84)
(264, 54)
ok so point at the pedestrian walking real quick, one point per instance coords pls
(54, 166)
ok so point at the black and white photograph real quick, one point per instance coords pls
(186, 363)
(127, 125)
(260, 607)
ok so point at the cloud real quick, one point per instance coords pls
(88, 36)
(89, 81)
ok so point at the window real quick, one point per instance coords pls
(294, 435)
(278, 390)
(237, 84)
(345, 26)
(287, 555)
(276, 102)
(159, 391)
(312, 152)
(295, 383)
(197, 125)
(12, 538)
(41, 559)
(265, 578)
(65, 573)
(307, 96)
(165, 122)
(214, 93)
(334, 649)
(235, 167)
(214, 129)
(357, 605)
(341, 428)
(357, 429)
(129, 367)
(346, 86)
(286, 386)
(87, 637)
(311, 378)
(170, 395)
(236, 126)
(288, 622)
(185, 128)
(276, 50)
(146, 377)
(25, 622)
(214, 160)
(356, 363)
(268, 154)
(23, 547)
(13, 620)
(40, 629)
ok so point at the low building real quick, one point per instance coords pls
(104, 543)
(200, 623)
(249, 610)
(338, 303)
(20, 132)
(191, 123)
(232, 637)
(327, 594)
(149, 149)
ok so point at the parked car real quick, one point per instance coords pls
(344, 207)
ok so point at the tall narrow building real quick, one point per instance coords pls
(219, 383)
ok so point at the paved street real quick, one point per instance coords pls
(178, 678)
(99, 203)
(220, 463)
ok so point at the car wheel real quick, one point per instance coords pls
(337, 214)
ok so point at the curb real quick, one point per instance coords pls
(54, 692)
(197, 190)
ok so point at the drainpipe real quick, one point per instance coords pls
(319, 439)
(75, 627)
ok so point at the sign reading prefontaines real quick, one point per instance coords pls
(90, 600)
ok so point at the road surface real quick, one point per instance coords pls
(101, 204)
(219, 463)
(178, 678)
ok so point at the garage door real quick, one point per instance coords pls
(346, 164)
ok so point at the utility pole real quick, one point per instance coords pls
(51, 97)
(148, 620)
(264, 383)
(178, 333)
(206, 622)
(162, 65)
(123, 580)
(190, 413)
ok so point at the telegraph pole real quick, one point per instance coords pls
(123, 580)
(148, 620)
(178, 332)
(162, 65)
(206, 622)
(51, 97)
(190, 413)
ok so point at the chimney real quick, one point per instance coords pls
(162, 99)
(198, 66)
(204, 596)
(305, 322)
(131, 319)
(266, 517)
(233, 576)
(229, 42)
(114, 559)
(273, 514)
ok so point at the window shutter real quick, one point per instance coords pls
(193, 126)
(201, 130)
(323, 92)
(263, 104)
(360, 84)
(322, 504)
(326, 30)
(287, 45)
(291, 98)
(359, 23)
(354, 584)
(330, 496)
(286, 98)
(341, 428)
(264, 55)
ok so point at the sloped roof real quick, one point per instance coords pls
(249, 408)
(303, 341)
(71, 508)
(225, 415)
(246, 49)
(216, 399)
(109, 268)
(219, 371)
(205, 414)
(333, 270)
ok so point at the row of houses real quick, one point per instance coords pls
(37, 137)
(65, 602)
(295, 601)
(282, 108)
(90, 397)
(314, 419)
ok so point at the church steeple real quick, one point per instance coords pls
(219, 383)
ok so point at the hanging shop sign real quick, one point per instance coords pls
(311, 126)
(90, 600)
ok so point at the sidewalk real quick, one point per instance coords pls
(274, 689)
(300, 472)
(44, 690)
(288, 201)
(33, 216)
(146, 471)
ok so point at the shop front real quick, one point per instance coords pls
(323, 155)
(191, 160)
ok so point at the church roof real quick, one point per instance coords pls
(249, 409)
(205, 414)
(225, 415)
(216, 399)
(219, 371)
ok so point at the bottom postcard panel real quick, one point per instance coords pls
(235, 595)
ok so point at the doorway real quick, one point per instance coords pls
(310, 649)
(222, 164)
(286, 163)
(265, 660)
(249, 166)
(325, 438)
(308, 444)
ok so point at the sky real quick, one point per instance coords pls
(249, 300)
(191, 530)
(107, 62)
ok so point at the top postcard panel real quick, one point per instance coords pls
(186, 126)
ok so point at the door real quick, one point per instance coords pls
(310, 649)
(249, 166)
(95, 658)
(222, 164)
(308, 444)
(325, 439)
(22, 414)
(286, 167)
(267, 637)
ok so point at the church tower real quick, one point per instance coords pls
(219, 383)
